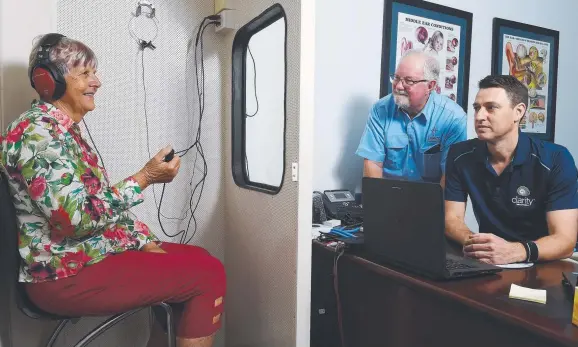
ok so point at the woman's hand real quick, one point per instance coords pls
(157, 170)
(153, 248)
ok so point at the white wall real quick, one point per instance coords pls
(20, 22)
(347, 77)
(306, 145)
(348, 68)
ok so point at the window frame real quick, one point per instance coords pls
(238, 102)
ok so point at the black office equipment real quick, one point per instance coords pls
(170, 156)
(434, 149)
(319, 214)
(341, 205)
(404, 225)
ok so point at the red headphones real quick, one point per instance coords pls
(44, 75)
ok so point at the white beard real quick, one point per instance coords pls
(401, 100)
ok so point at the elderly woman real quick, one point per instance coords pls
(83, 254)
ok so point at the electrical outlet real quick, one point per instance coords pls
(222, 8)
(225, 25)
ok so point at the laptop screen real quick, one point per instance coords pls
(404, 222)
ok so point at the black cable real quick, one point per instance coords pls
(200, 151)
(196, 144)
(157, 204)
(94, 144)
(254, 82)
(256, 111)
(199, 31)
(200, 93)
(341, 250)
(144, 86)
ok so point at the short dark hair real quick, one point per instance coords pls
(517, 92)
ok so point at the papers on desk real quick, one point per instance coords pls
(318, 229)
(515, 265)
(528, 294)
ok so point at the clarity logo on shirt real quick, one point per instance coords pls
(523, 197)
(523, 191)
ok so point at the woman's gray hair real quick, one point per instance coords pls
(65, 55)
(431, 66)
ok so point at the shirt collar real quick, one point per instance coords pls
(523, 150)
(481, 151)
(53, 112)
(429, 105)
(426, 111)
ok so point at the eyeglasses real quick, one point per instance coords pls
(406, 82)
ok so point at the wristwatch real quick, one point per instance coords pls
(531, 251)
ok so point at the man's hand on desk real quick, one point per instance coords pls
(491, 249)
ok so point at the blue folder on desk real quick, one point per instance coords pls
(345, 232)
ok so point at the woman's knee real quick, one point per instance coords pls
(218, 268)
(205, 270)
(215, 274)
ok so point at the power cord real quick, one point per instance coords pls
(94, 144)
(143, 45)
(254, 82)
(213, 20)
(197, 144)
(257, 108)
(340, 248)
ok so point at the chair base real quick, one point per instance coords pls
(56, 332)
(112, 321)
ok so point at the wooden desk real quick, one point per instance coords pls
(384, 306)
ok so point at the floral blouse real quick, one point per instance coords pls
(68, 213)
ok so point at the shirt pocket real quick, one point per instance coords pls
(429, 163)
(395, 151)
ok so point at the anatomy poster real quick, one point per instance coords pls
(438, 39)
(527, 60)
(530, 53)
(440, 31)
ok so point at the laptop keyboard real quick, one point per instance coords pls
(454, 265)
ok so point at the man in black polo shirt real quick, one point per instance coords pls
(523, 190)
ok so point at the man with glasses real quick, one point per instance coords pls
(409, 132)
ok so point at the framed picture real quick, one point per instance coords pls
(441, 31)
(531, 54)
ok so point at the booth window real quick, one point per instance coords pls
(259, 89)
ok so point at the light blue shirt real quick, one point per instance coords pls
(391, 137)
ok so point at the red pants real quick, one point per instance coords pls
(132, 279)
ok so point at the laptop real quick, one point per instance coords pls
(404, 225)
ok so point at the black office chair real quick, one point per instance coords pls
(11, 259)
